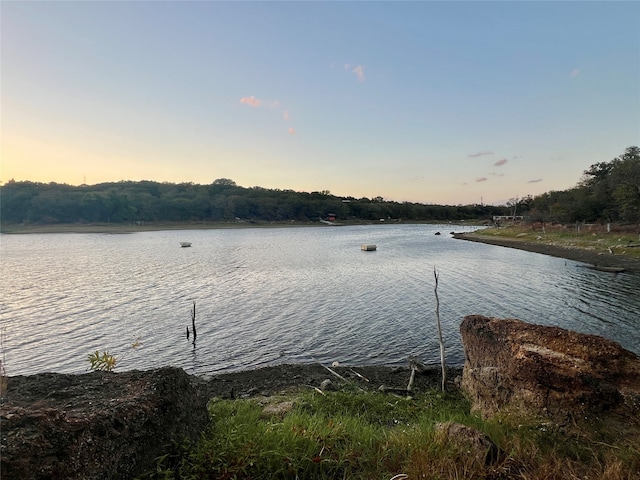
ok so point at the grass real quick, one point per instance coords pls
(589, 237)
(372, 435)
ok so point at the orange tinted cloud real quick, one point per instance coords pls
(292, 131)
(481, 179)
(251, 101)
(500, 162)
(357, 69)
(285, 115)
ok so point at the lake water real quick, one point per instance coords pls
(283, 295)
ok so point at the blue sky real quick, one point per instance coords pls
(432, 102)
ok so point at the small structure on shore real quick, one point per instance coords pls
(185, 244)
(368, 247)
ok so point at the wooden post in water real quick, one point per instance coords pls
(442, 360)
(193, 321)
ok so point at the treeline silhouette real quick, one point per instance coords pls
(221, 201)
(607, 192)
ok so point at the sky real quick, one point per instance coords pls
(431, 102)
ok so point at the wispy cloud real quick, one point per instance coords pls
(251, 101)
(575, 72)
(499, 163)
(535, 181)
(481, 179)
(479, 154)
(497, 174)
(272, 105)
(358, 70)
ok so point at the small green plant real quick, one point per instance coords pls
(105, 361)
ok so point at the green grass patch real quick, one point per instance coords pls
(593, 239)
(371, 435)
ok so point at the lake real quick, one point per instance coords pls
(266, 296)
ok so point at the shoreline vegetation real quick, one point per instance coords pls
(273, 423)
(616, 250)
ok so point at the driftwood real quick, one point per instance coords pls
(417, 364)
(332, 371)
(397, 391)
(411, 378)
(316, 389)
(357, 374)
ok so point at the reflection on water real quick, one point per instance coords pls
(268, 296)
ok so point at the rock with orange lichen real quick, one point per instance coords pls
(513, 366)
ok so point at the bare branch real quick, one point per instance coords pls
(442, 356)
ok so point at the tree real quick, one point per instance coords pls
(224, 181)
(513, 205)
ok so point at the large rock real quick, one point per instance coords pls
(476, 444)
(536, 370)
(97, 425)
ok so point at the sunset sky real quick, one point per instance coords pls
(432, 102)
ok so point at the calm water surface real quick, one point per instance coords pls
(283, 295)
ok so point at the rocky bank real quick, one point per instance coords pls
(95, 426)
(114, 425)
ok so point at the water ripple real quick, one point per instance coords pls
(267, 296)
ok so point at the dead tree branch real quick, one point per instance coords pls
(442, 359)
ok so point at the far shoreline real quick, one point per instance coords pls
(122, 228)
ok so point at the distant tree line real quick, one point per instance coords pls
(607, 192)
(221, 201)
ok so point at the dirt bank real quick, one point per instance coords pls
(273, 380)
(576, 254)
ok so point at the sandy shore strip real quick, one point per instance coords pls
(122, 228)
(576, 254)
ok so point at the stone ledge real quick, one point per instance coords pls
(97, 425)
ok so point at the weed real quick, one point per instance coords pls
(371, 435)
(105, 361)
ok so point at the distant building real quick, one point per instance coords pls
(507, 218)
